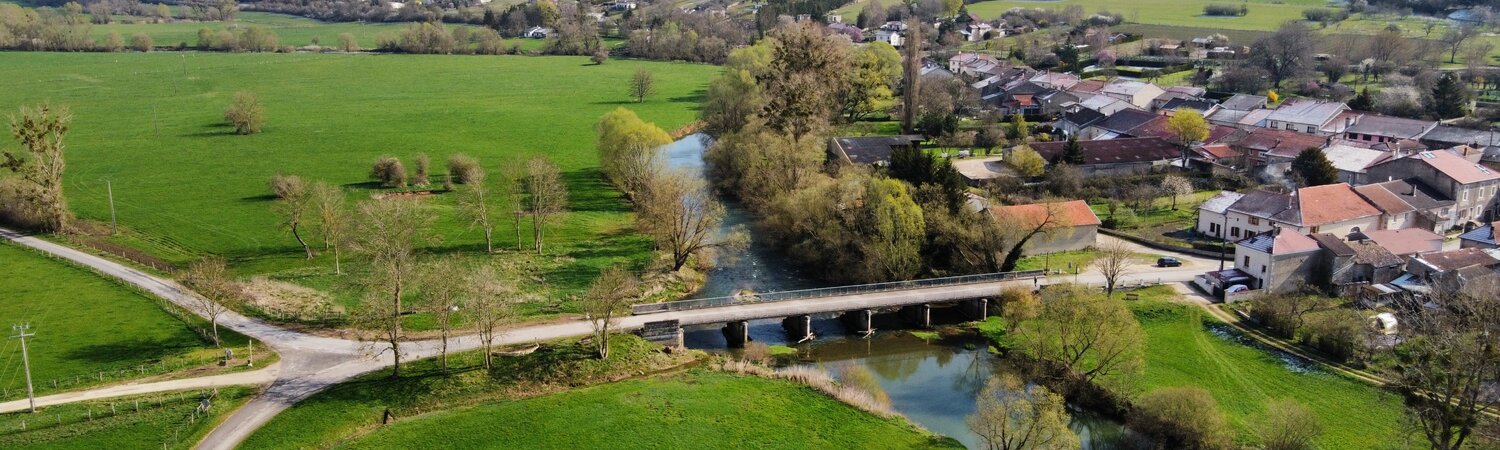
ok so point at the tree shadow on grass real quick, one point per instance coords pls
(589, 192)
(136, 349)
(259, 198)
(364, 185)
(696, 98)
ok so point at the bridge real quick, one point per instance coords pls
(856, 305)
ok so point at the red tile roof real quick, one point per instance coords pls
(1332, 203)
(1456, 167)
(1074, 213)
(1407, 241)
(1219, 151)
(1279, 142)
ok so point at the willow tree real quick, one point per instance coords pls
(628, 150)
(40, 164)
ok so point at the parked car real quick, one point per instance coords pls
(1167, 261)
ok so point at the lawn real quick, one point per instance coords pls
(186, 187)
(168, 420)
(1186, 348)
(86, 324)
(698, 409)
(1072, 260)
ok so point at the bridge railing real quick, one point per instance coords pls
(768, 297)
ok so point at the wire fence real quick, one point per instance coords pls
(769, 297)
(96, 378)
(193, 406)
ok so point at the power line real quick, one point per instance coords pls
(26, 361)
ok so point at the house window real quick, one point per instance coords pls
(1234, 231)
(1314, 229)
(1213, 228)
(1247, 261)
(1311, 129)
(1262, 268)
(1255, 221)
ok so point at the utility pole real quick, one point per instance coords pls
(25, 361)
(114, 226)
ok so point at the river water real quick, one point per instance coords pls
(932, 383)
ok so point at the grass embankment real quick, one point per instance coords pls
(540, 401)
(185, 186)
(168, 420)
(1185, 347)
(86, 324)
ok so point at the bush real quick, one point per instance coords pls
(141, 42)
(1340, 335)
(1225, 10)
(287, 186)
(246, 113)
(1183, 417)
(389, 172)
(463, 168)
(1324, 15)
(423, 163)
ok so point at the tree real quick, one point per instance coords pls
(1090, 339)
(911, 74)
(1027, 162)
(113, 42)
(871, 15)
(1450, 98)
(642, 85)
(628, 150)
(442, 289)
(808, 74)
(1284, 53)
(389, 171)
(1019, 129)
(1072, 153)
(1176, 186)
(245, 113)
(680, 215)
(507, 193)
(599, 57)
(292, 200)
(333, 219)
(1113, 263)
(547, 195)
(1455, 38)
(141, 42)
(474, 206)
(894, 232)
(423, 165)
(1450, 361)
(1363, 101)
(1189, 127)
(388, 233)
(209, 278)
(462, 169)
(1026, 224)
(1185, 417)
(1313, 168)
(612, 291)
(40, 163)
(1288, 425)
(348, 43)
(1282, 314)
(1335, 67)
(758, 163)
(1014, 415)
(877, 72)
(488, 305)
(734, 99)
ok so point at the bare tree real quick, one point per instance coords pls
(642, 85)
(1176, 186)
(209, 277)
(334, 219)
(389, 231)
(508, 195)
(547, 194)
(474, 206)
(1113, 263)
(441, 284)
(1288, 425)
(1455, 38)
(489, 305)
(424, 164)
(681, 215)
(1451, 361)
(41, 130)
(1014, 415)
(246, 113)
(612, 291)
(292, 200)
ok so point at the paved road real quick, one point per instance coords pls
(312, 363)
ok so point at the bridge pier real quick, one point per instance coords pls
(737, 333)
(919, 315)
(859, 321)
(976, 309)
(798, 328)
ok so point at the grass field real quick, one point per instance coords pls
(1264, 14)
(290, 30)
(163, 421)
(1185, 348)
(690, 410)
(186, 187)
(85, 324)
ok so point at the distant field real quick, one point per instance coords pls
(1263, 14)
(84, 324)
(186, 187)
(290, 30)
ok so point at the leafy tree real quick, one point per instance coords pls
(1090, 338)
(911, 75)
(627, 150)
(734, 99)
(1027, 162)
(894, 231)
(245, 113)
(1363, 101)
(40, 163)
(808, 72)
(1313, 168)
(1186, 417)
(758, 163)
(877, 70)
(1015, 415)
(642, 85)
(1019, 129)
(1450, 98)
(1288, 425)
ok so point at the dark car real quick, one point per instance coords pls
(1168, 262)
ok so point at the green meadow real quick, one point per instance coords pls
(166, 420)
(86, 324)
(185, 186)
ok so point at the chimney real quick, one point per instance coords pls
(1413, 189)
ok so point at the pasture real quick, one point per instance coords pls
(185, 186)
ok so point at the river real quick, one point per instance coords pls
(933, 384)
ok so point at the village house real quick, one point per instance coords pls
(1118, 124)
(1243, 119)
(1464, 264)
(1070, 225)
(1407, 242)
(1351, 161)
(1278, 260)
(1470, 185)
(1334, 208)
(1116, 156)
(869, 150)
(1244, 102)
(1264, 145)
(1074, 122)
(1137, 93)
(974, 65)
(1408, 203)
(1481, 237)
(1212, 213)
(1311, 117)
(1380, 129)
(1354, 259)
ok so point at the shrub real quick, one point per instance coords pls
(389, 172)
(600, 56)
(112, 42)
(141, 42)
(464, 168)
(287, 186)
(1183, 417)
(246, 113)
(1339, 335)
(1224, 9)
(423, 163)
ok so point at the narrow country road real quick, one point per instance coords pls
(312, 363)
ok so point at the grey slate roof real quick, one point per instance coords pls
(1483, 235)
(873, 149)
(1125, 120)
(1396, 127)
(1244, 102)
